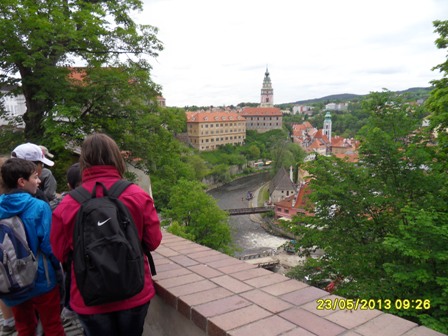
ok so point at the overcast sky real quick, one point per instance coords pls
(216, 52)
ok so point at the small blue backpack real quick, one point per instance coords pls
(18, 264)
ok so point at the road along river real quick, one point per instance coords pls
(248, 235)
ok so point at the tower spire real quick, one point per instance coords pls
(327, 125)
(267, 93)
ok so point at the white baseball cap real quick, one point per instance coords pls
(46, 152)
(31, 152)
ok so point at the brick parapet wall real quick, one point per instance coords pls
(223, 296)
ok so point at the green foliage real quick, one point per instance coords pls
(199, 166)
(10, 138)
(179, 230)
(225, 155)
(199, 216)
(221, 173)
(253, 152)
(273, 145)
(438, 100)
(421, 243)
(382, 222)
(39, 39)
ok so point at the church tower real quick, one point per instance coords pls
(327, 126)
(267, 93)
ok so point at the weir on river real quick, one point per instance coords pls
(248, 235)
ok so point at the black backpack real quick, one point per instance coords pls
(107, 253)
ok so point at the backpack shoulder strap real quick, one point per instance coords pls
(116, 191)
(118, 188)
(80, 194)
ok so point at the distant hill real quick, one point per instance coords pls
(420, 91)
(331, 98)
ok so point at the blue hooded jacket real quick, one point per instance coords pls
(36, 217)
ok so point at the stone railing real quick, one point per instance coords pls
(204, 292)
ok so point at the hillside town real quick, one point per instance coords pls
(228, 168)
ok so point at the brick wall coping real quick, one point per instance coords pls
(224, 296)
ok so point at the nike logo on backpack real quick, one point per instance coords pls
(101, 223)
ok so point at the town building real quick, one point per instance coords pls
(265, 117)
(336, 106)
(161, 101)
(281, 186)
(262, 119)
(288, 203)
(13, 104)
(210, 130)
(327, 126)
(323, 142)
(298, 203)
(302, 109)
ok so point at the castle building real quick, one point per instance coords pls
(209, 130)
(265, 117)
(267, 92)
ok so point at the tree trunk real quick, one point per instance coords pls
(35, 109)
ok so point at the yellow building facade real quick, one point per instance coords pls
(210, 130)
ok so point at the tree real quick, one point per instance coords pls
(199, 216)
(382, 222)
(41, 38)
(438, 100)
(253, 152)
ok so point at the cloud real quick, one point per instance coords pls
(216, 52)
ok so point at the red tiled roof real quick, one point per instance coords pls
(307, 124)
(320, 135)
(298, 130)
(286, 202)
(338, 141)
(77, 75)
(352, 157)
(212, 116)
(301, 200)
(303, 195)
(261, 111)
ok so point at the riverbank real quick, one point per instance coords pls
(210, 187)
(286, 260)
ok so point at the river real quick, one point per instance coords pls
(248, 236)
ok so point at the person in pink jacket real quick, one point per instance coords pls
(101, 160)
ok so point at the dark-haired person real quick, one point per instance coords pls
(73, 176)
(31, 152)
(20, 181)
(101, 161)
(48, 183)
(8, 326)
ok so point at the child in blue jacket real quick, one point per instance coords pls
(20, 181)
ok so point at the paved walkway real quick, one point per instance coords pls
(254, 203)
(75, 329)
